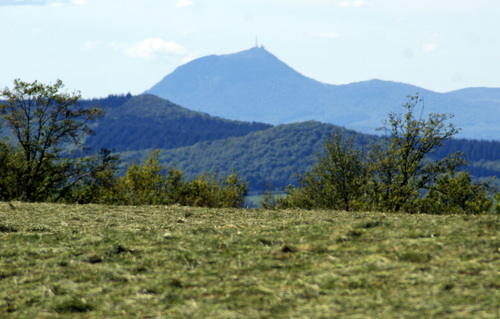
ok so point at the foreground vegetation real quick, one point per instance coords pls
(91, 261)
(45, 158)
(396, 174)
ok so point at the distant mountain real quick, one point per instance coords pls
(238, 86)
(481, 95)
(147, 121)
(254, 85)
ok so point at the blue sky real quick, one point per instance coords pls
(117, 46)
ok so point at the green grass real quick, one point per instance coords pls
(91, 261)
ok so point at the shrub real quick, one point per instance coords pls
(142, 183)
(149, 184)
(207, 190)
(497, 204)
(394, 173)
(457, 194)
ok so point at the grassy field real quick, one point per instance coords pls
(90, 261)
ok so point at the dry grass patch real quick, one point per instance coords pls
(94, 261)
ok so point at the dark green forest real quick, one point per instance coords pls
(44, 157)
(193, 148)
(146, 121)
(483, 156)
(273, 157)
(265, 155)
(269, 158)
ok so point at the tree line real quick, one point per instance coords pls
(275, 155)
(395, 174)
(262, 154)
(44, 158)
(268, 157)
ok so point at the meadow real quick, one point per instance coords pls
(94, 261)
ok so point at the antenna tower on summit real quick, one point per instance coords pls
(257, 43)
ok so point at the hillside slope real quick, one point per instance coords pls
(263, 155)
(275, 156)
(147, 121)
(264, 158)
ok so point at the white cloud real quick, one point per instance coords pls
(151, 49)
(324, 35)
(184, 3)
(429, 47)
(352, 3)
(432, 43)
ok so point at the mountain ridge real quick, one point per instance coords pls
(254, 85)
(255, 66)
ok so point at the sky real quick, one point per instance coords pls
(102, 47)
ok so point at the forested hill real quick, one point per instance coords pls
(483, 156)
(269, 157)
(146, 121)
(275, 156)
(261, 153)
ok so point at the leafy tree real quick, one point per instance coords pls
(148, 183)
(7, 179)
(497, 203)
(455, 194)
(337, 180)
(208, 190)
(400, 166)
(49, 128)
(99, 185)
(174, 186)
(399, 170)
(143, 183)
(232, 190)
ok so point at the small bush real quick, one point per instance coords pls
(149, 184)
(457, 194)
(207, 190)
